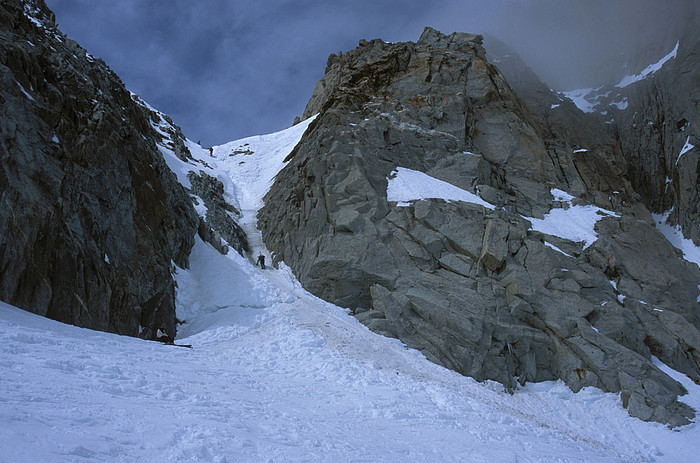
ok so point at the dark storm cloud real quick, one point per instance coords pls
(225, 69)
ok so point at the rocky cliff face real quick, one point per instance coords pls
(476, 288)
(91, 216)
(659, 130)
(650, 114)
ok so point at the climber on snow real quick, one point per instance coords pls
(261, 261)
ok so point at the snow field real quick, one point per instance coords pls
(296, 380)
(575, 223)
(578, 97)
(673, 234)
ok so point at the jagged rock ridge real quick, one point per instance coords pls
(475, 289)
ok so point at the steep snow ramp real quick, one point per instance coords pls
(253, 162)
(649, 70)
(405, 185)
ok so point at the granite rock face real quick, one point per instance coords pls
(476, 288)
(91, 216)
(650, 115)
(217, 223)
(659, 131)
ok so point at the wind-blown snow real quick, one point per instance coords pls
(649, 70)
(576, 223)
(278, 375)
(405, 185)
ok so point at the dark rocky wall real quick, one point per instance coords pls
(662, 115)
(91, 216)
(644, 125)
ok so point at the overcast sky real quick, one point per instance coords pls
(226, 69)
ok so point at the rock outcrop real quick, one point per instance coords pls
(478, 289)
(91, 216)
(217, 222)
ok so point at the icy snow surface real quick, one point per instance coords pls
(576, 223)
(578, 97)
(649, 70)
(279, 375)
(405, 185)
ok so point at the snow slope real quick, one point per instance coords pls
(575, 223)
(279, 375)
(674, 235)
(649, 70)
(405, 185)
(578, 96)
